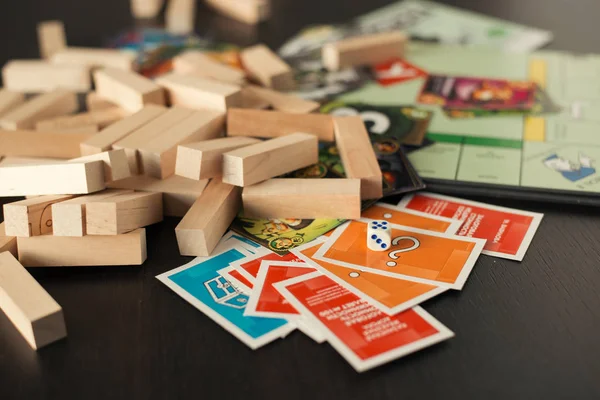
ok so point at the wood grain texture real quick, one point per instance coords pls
(31, 217)
(29, 143)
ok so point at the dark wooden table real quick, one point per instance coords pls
(523, 330)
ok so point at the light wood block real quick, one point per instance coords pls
(123, 213)
(144, 9)
(128, 89)
(10, 161)
(364, 50)
(9, 100)
(259, 162)
(267, 68)
(251, 100)
(104, 140)
(158, 157)
(200, 93)
(284, 102)
(101, 118)
(116, 164)
(48, 105)
(196, 63)
(178, 193)
(7, 243)
(94, 102)
(358, 157)
(180, 16)
(303, 198)
(89, 129)
(48, 179)
(207, 221)
(51, 37)
(31, 217)
(26, 143)
(63, 251)
(36, 315)
(94, 57)
(272, 124)
(33, 76)
(204, 160)
(69, 218)
(247, 11)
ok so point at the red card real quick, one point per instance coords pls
(249, 267)
(397, 71)
(508, 231)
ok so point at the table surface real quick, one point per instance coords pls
(523, 330)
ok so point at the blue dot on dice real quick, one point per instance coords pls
(383, 245)
(373, 237)
(378, 241)
(384, 223)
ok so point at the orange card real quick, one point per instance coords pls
(416, 219)
(415, 254)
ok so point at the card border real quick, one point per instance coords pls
(261, 252)
(455, 224)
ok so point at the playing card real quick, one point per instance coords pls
(363, 335)
(508, 231)
(416, 219)
(249, 266)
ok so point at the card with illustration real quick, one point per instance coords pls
(362, 334)
(415, 254)
(397, 71)
(508, 231)
(238, 280)
(249, 266)
(407, 217)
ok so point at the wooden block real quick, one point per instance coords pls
(247, 11)
(104, 140)
(259, 162)
(44, 106)
(62, 251)
(93, 57)
(9, 161)
(205, 223)
(364, 50)
(9, 100)
(47, 179)
(284, 102)
(33, 76)
(86, 129)
(178, 193)
(251, 100)
(94, 102)
(123, 213)
(200, 93)
(204, 160)
(25, 143)
(100, 118)
(267, 68)
(68, 217)
(116, 164)
(7, 243)
(303, 198)
(158, 156)
(51, 37)
(143, 9)
(358, 157)
(271, 124)
(180, 16)
(128, 89)
(196, 63)
(36, 315)
(31, 217)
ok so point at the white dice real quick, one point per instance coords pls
(379, 236)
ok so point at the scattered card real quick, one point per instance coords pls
(397, 71)
(407, 217)
(249, 266)
(234, 277)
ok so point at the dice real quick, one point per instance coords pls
(379, 236)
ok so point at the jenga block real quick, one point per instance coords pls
(267, 68)
(284, 102)
(123, 213)
(7, 243)
(31, 217)
(104, 140)
(116, 164)
(94, 102)
(205, 223)
(89, 129)
(196, 63)
(63, 251)
(143, 9)
(204, 160)
(36, 315)
(25, 143)
(42, 76)
(51, 37)
(68, 217)
(259, 162)
(180, 16)
(271, 124)
(47, 179)
(364, 50)
(247, 11)
(100, 118)
(358, 157)
(93, 57)
(128, 89)
(9, 100)
(303, 198)
(10, 161)
(48, 105)
(158, 157)
(196, 92)
(251, 100)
